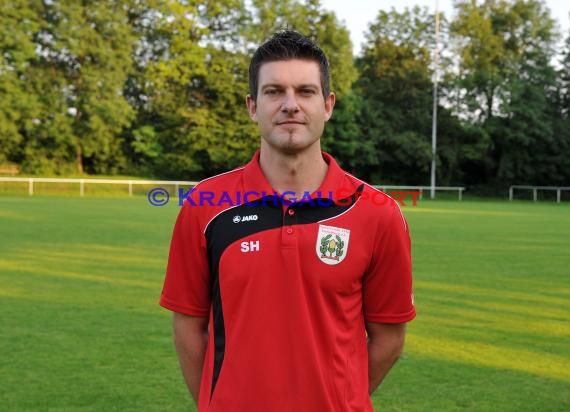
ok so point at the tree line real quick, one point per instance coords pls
(156, 88)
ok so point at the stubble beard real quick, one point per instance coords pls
(289, 143)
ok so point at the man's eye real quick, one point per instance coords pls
(271, 91)
(307, 92)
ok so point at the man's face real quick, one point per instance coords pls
(290, 109)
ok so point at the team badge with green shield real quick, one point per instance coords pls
(332, 244)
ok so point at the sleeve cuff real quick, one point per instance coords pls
(390, 318)
(185, 310)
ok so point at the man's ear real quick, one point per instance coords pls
(329, 105)
(251, 107)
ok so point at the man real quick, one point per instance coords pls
(290, 287)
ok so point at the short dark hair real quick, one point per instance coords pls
(288, 44)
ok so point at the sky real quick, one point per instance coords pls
(357, 14)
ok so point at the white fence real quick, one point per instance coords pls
(421, 189)
(535, 189)
(178, 183)
(82, 182)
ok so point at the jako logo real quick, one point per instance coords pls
(248, 218)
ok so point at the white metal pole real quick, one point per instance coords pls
(434, 116)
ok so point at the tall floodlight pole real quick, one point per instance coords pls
(434, 116)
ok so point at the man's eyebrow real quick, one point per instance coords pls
(308, 86)
(301, 86)
(268, 85)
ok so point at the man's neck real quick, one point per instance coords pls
(300, 173)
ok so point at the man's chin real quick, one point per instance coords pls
(291, 144)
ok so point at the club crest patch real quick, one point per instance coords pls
(332, 244)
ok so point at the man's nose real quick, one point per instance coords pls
(290, 103)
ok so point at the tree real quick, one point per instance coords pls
(73, 58)
(190, 90)
(507, 81)
(19, 106)
(561, 130)
(396, 88)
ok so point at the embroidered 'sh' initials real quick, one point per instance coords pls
(251, 246)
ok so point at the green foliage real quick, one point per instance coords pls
(73, 59)
(18, 107)
(343, 137)
(508, 83)
(396, 90)
(561, 114)
(157, 87)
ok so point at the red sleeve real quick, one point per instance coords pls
(388, 295)
(187, 284)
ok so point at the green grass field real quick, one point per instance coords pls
(81, 329)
